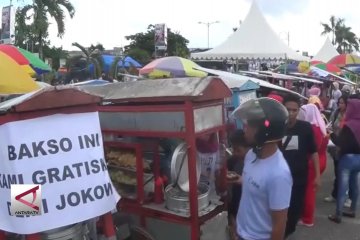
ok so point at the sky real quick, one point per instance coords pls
(109, 21)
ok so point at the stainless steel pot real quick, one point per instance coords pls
(74, 232)
(178, 201)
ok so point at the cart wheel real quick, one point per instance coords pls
(139, 233)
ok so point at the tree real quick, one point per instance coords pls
(343, 37)
(114, 67)
(55, 54)
(91, 57)
(140, 55)
(25, 33)
(143, 44)
(346, 40)
(98, 46)
(335, 24)
(40, 11)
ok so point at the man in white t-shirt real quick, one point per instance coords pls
(266, 179)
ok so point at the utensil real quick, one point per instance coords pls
(181, 165)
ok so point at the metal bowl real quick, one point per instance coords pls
(178, 201)
(179, 167)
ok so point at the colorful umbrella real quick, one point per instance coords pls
(14, 53)
(171, 67)
(304, 67)
(329, 68)
(13, 80)
(36, 63)
(344, 60)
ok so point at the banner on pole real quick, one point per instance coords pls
(160, 36)
(8, 25)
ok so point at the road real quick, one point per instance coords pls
(324, 229)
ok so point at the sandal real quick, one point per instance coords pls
(349, 214)
(334, 218)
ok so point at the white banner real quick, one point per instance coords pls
(8, 25)
(64, 154)
(160, 35)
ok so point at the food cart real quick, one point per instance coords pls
(136, 118)
(38, 112)
(242, 91)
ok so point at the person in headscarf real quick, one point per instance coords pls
(349, 165)
(316, 100)
(336, 94)
(310, 113)
(346, 90)
(314, 91)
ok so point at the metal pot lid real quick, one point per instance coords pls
(179, 168)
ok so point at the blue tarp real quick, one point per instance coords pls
(109, 59)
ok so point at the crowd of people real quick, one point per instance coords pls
(280, 175)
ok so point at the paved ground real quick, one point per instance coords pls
(324, 229)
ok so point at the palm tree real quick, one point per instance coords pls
(92, 56)
(346, 40)
(114, 68)
(335, 24)
(41, 11)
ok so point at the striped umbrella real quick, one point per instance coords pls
(344, 60)
(14, 53)
(36, 63)
(171, 67)
(13, 80)
(26, 58)
(329, 68)
(304, 66)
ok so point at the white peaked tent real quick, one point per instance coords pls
(254, 39)
(327, 52)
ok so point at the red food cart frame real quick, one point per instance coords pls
(212, 94)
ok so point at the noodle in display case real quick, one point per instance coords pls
(122, 165)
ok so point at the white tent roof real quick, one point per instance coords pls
(253, 40)
(234, 80)
(327, 52)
